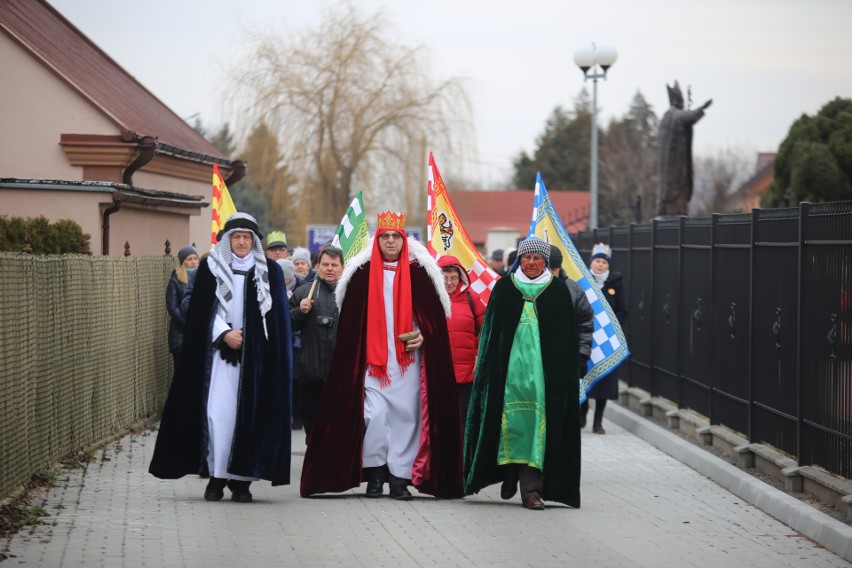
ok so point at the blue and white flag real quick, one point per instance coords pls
(609, 346)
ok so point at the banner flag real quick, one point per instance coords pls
(222, 205)
(353, 234)
(609, 345)
(446, 235)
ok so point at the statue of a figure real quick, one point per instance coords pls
(676, 155)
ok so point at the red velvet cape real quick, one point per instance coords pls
(334, 454)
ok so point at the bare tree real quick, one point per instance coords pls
(629, 166)
(351, 111)
(265, 190)
(717, 177)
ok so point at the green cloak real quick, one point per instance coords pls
(560, 354)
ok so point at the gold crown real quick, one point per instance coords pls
(390, 220)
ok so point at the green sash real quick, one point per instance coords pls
(523, 428)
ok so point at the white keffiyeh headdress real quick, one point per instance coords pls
(221, 257)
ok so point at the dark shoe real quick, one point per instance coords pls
(598, 429)
(375, 487)
(582, 421)
(533, 503)
(399, 489)
(375, 481)
(240, 491)
(508, 489)
(215, 489)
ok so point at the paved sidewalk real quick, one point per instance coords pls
(641, 508)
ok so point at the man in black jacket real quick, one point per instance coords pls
(585, 313)
(314, 313)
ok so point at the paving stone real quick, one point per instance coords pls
(640, 508)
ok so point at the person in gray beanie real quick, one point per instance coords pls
(524, 409)
(301, 258)
(289, 270)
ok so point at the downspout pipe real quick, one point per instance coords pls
(147, 149)
(116, 205)
(238, 173)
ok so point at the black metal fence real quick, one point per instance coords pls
(746, 319)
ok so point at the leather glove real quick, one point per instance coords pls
(583, 367)
(228, 355)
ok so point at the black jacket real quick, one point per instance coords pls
(318, 331)
(175, 291)
(585, 317)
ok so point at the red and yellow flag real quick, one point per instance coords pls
(446, 235)
(223, 206)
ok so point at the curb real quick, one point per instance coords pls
(830, 533)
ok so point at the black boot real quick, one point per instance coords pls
(376, 477)
(399, 489)
(584, 410)
(240, 491)
(597, 425)
(215, 489)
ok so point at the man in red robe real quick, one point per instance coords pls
(389, 410)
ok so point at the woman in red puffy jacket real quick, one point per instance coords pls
(464, 325)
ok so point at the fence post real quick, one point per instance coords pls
(682, 310)
(28, 244)
(804, 214)
(652, 301)
(752, 254)
(714, 224)
(626, 365)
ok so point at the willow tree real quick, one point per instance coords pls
(351, 111)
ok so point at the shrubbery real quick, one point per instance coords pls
(63, 237)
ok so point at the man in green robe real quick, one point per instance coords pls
(522, 421)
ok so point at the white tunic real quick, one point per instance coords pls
(392, 414)
(225, 380)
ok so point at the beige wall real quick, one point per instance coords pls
(147, 230)
(199, 225)
(35, 108)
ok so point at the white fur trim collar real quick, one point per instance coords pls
(416, 251)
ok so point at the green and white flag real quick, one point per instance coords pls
(352, 234)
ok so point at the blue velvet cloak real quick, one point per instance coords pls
(261, 446)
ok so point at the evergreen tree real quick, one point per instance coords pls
(562, 152)
(814, 162)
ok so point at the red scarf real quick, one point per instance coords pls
(403, 320)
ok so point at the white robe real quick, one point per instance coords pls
(392, 414)
(225, 381)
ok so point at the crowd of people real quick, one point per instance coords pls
(427, 387)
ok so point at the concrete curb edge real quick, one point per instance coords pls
(830, 533)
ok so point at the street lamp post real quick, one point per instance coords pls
(591, 60)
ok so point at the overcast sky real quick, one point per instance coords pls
(764, 63)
